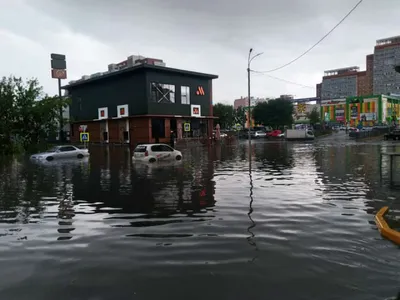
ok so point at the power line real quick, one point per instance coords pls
(316, 44)
(284, 80)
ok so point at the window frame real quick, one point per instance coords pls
(185, 94)
(169, 96)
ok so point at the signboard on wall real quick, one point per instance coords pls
(367, 117)
(122, 111)
(354, 112)
(82, 128)
(103, 113)
(186, 127)
(333, 102)
(339, 114)
(195, 110)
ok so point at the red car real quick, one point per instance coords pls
(274, 133)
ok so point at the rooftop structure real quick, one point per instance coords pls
(341, 71)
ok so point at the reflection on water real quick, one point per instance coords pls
(297, 225)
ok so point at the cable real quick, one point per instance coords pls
(284, 80)
(316, 44)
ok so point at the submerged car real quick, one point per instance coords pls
(60, 152)
(155, 152)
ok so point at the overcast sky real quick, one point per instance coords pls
(211, 36)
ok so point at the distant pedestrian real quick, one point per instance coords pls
(172, 139)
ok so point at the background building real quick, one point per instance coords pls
(142, 104)
(339, 83)
(386, 56)
(243, 102)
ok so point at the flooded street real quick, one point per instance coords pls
(299, 226)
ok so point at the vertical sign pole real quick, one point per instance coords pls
(61, 113)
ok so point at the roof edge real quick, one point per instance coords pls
(136, 69)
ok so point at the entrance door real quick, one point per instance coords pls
(173, 125)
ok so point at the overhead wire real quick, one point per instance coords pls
(318, 42)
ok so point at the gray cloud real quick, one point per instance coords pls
(209, 36)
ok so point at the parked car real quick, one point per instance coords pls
(61, 152)
(260, 134)
(155, 152)
(282, 135)
(274, 133)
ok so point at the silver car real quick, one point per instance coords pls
(60, 152)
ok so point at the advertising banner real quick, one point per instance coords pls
(367, 117)
(354, 112)
(340, 114)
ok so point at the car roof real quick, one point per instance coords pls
(140, 145)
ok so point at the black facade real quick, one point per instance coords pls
(147, 89)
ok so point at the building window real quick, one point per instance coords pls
(162, 93)
(185, 95)
(158, 128)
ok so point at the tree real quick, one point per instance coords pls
(313, 116)
(240, 116)
(274, 113)
(225, 115)
(28, 116)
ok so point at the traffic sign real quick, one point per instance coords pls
(186, 127)
(84, 136)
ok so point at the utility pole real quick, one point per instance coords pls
(249, 60)
(59, 71)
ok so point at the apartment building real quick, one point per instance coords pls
(386, 56)
(339, 83)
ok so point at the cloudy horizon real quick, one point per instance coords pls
(207, 36)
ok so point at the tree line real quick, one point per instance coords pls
(28, 116)
(275, 113)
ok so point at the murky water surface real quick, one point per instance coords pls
(300, 226)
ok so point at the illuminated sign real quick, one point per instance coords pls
(200, 91)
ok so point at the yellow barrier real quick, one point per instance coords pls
(384, 228)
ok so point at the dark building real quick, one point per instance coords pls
(142, 104)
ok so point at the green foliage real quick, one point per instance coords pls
(313, 116)
(275, 113)
(27, 116)
(225, 115)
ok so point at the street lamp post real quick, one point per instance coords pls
(249, 60)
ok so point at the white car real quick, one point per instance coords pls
(155, 152)
(260, 134)
(282, 135)
(60, 152)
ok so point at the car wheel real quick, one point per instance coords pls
(178, 157)
(80, 155)
(152, 160)
(49, 158)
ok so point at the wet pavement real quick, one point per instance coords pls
(300, 225)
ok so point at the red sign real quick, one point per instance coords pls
(59, 74)
(102, 113)
(200, 91)
(122, 111)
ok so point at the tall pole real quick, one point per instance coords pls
(61, 113)
(249, 104)
(249, 60)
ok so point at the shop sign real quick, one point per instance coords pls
(367, 117)
(354, 112)
(195, 110)
(339, 114)
(333, 102)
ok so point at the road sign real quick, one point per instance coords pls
(82, 128)
(59, 74)
(186, 127)
(84, 136)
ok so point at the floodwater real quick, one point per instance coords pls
(299, 226)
